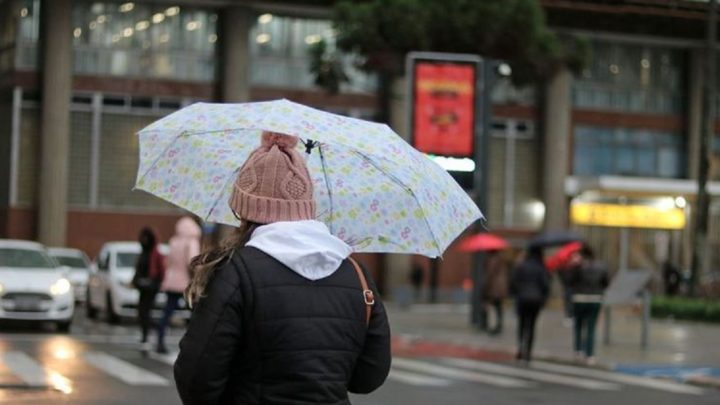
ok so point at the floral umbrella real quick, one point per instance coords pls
(372, 189)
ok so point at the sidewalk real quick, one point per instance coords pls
(687, 345)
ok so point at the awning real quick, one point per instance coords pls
(575, 185)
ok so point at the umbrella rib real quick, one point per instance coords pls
(408, 189)
(327, 183)
(157, 158)
(222, 190)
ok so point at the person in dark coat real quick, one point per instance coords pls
(530, 286)
(495, 288)
(672, 278)
(149, 274)
(588, 284)
(280, 314)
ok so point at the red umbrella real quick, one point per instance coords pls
(560, 258)
(482, 242)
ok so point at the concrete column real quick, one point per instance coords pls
(56, 59)
(235, 51)
(558, 129)
(694, 111)
(234, 71)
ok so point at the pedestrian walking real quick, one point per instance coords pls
(671, 278)
(281, 314)
(184, 246)
(565, 274)
(417, 276)
(495, 288)
(530, 286)
(588, 284)
(149, 273)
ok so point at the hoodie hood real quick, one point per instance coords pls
(306, 247)
(187, 228)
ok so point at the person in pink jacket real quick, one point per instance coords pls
(184, 246)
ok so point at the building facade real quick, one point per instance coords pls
(78, 78)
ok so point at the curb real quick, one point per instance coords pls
(704, 381)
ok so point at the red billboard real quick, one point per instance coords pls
(443, 111)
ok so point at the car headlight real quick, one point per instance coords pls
(60, 287)
(2, 289)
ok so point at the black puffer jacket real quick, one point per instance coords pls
(530, 281)
(265, 335)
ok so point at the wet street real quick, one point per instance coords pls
(103, 364)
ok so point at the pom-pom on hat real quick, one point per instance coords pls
(274, 183)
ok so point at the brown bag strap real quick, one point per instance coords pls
(368, 295)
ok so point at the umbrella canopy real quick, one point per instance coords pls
(560, 258)
(372, 189)
(553, 238)
(483, 242)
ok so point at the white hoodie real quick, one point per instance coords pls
(306, 247)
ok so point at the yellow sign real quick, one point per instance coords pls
(627, 216)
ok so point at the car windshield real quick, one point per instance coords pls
(24, 258)
(72, 262)
(125, 259)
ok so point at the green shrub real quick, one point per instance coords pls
(694, 309)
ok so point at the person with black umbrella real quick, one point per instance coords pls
(530, 285)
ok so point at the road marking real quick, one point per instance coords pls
(168, 359)
(33, 374)
(411, 378)
(123, 370)
(26, 369)
(540, 376)
(449, 372)
(662, 385)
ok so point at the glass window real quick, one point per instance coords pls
(633, 78)
(279, 47)
(25, 259)
(80, 146)
(628, 152)
(119, 161)
(144, 40)
(71, 261)
(126, 260)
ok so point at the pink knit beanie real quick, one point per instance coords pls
(274, 184)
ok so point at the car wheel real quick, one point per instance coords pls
(90, 311)
(112, 317)
(63, 327)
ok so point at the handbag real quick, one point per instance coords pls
(145, 283)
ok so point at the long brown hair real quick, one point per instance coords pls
(204, 265)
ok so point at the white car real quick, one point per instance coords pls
(80, 267)
(32, 285)
(109, 289)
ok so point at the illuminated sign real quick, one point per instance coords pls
(627, 216)
(443, 109)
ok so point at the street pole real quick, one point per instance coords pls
(485, 80)
(706, 136)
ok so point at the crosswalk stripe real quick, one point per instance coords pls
(123, 370)
(540, 376)
(168, 359)
(411, 378)
(33, 374)
(645, 382)
(449, 372)
(26, 369)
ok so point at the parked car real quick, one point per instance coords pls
(80, 267)
(109, 286)
(32, 285)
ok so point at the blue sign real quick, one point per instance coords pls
(678, 373)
